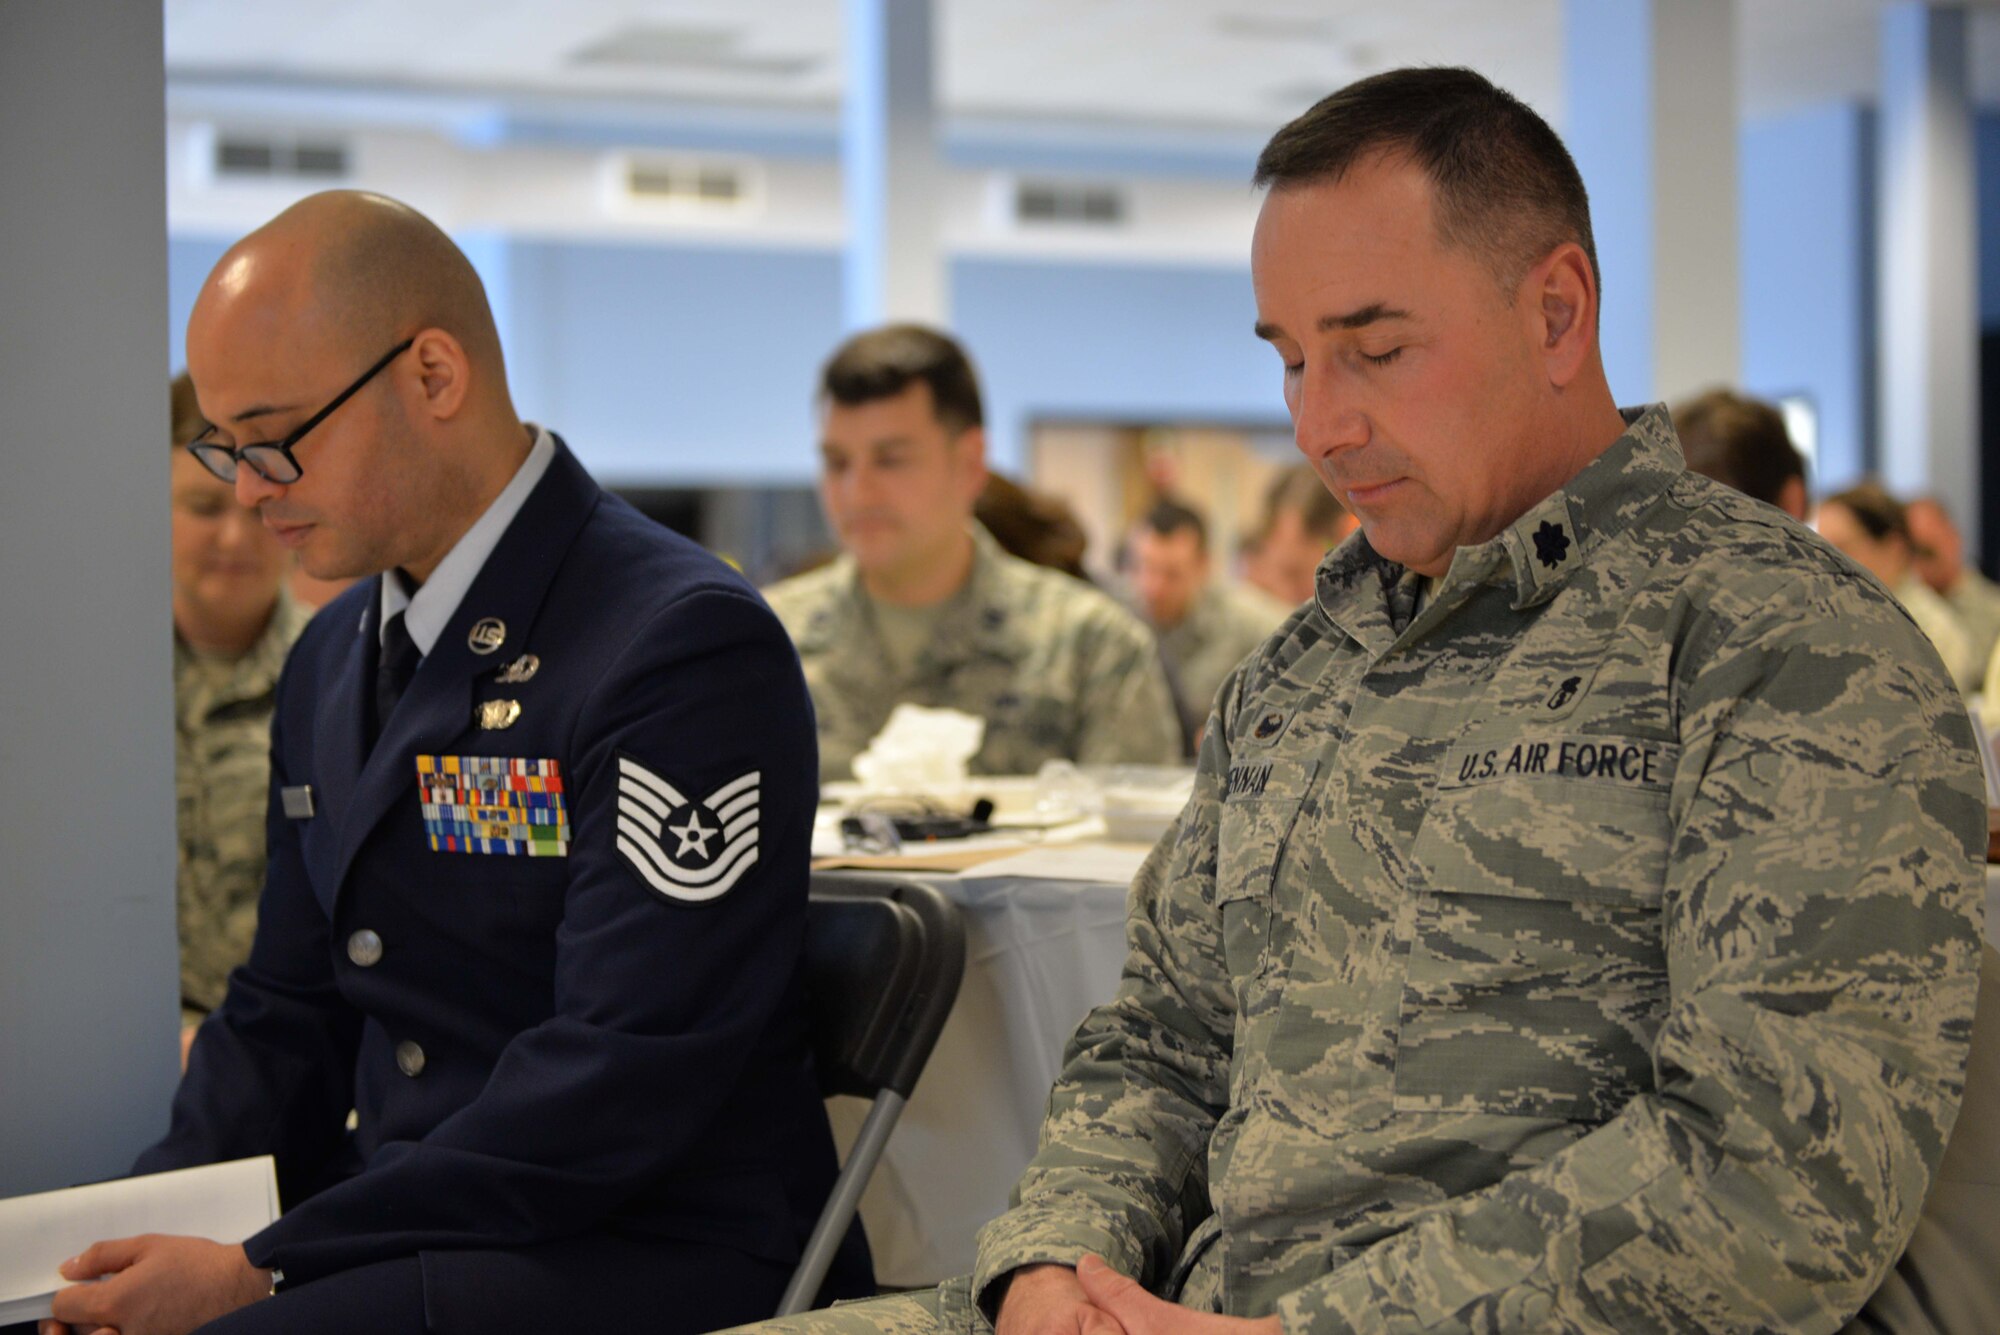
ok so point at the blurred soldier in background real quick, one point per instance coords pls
(1870, 525)
(1301, 522)
(234, 621)
(923, 606)
(1939, 550)
(1742, 443)
(1205, 627)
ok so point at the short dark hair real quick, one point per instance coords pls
(1879, 513)
(1506, 188)
(187, 421)
(1167, 517)
(882, 363)
(1739, 441)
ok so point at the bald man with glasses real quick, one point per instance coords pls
(541, 796)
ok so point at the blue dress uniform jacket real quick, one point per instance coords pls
(535, 1047)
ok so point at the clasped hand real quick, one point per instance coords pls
(1094, 1299)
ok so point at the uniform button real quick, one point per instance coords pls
(409, 1058)
(364, 948)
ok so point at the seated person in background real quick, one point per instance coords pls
(1032, 525)
(923, 606)
(1205, 627)
(1938, 549)
(234, 622)
(1868, 524)
(1742, 443)
(542, 792)
(1575, 923)
(1299, 525)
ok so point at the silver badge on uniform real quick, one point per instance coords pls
(486, 635)
(297, 802)
(520, 670)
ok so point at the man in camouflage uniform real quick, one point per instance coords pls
(1206, 628)
(924, 607)
(233, 625)
(222, 777)
(1575, 924)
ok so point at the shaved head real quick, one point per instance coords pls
(416, 450)
(363, 270)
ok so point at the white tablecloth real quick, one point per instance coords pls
(1039, 954)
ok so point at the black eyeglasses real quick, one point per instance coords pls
(273, 460)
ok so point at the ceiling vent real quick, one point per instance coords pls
(1068, 204)
(688, 49)
(672, 187)
(267, 157)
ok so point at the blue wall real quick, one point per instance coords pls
(1131, 343)
(1613, 148)
(673, 365)
(189, 258)
(1808, 251)
(678, 365)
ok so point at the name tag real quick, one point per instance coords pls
(297, 802)
(505, 805)
(1247, 780)
(1621, 762)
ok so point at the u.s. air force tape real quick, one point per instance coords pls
(687, 850)
(1645, 763)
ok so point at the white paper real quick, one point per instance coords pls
(1111, 864)
(225, 1202)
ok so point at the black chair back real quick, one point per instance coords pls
(884, 956)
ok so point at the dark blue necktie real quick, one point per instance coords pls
(392, 674)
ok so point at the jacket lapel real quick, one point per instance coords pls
(436, 709)
(340, 743)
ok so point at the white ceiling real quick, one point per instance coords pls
(1228, 65)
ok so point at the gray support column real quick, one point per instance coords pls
(1929, 261)
(892, 169)
(89, 982)
(1651, 121)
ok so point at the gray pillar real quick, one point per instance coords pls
(1651, 121)
(892, 171)
(88, 974)
(1928, 353)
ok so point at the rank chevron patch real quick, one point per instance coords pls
(690, 850)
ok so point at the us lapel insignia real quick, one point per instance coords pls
(486, 635)
(520, 670)
(688, 850)
(496, 714)
(507, 805)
